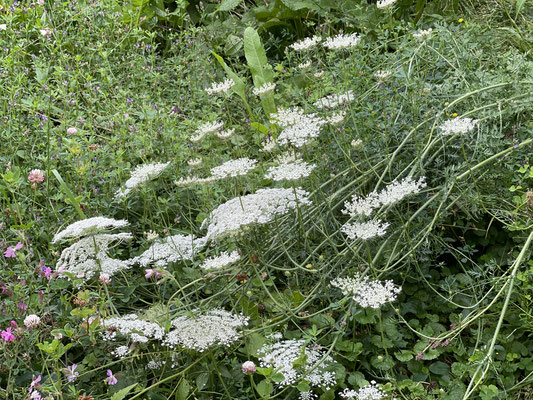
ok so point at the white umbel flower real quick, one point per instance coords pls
(287, 116)
(203, 330)
(306, 44)
(89, 226)
(383, 4)
(299, 134)
(121, 352)
(335, 100)
(458, 125)
(133, 327)
(170, 249)
(264, 89)
(258, 208)
(205, 129)
(304, 65)
(89, 256)
(225, 134)
(423, 33)
(367, 293)
(290, 171)
(282, 355)
(233, 168)
(141, 174)
(195, 162)
(193, 180)
(221, 87)
(382, 75)
(220, 261)
(268, 145)
(336, 118)
(342, 41)
(365, 230)
(369, 392)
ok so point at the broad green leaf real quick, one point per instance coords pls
(228, 5)
(122, 393)
(296, 5)
(264, 388)
(201, 380)
(439, 368)
(419, 9)
(258, 63)
(183, 390)
(239, 83)
(254, 342)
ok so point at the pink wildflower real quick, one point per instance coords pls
(32, 321)
(150, 273)
(248, 368)
(71, 374)
(36, 176)
(11, 252)
(7, 335)
(72, 130)
(46, 271)
(105, 279)
(111, 379)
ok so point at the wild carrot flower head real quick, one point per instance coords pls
(367, 293)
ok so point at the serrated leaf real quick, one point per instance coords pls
(264, 388)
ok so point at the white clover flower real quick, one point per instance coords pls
(335, 100)
(304, 65)
(89, 256)
(369, 392)
(32, 320)
(282, 355)
(342, 41)
(225, 134)
(203, 330)
(422, 33)
(458, 125)
(205, 129)
(233, 168)
(221, 87)
(132, 327)
(356, 143)
(336, 118)
(89, 226)
(141, 174)
(306, 43)
(382, 75)
(170, 249)
(383, 4)
(264, 89)
(367, 293)
(290, 171)
(365, 230)
(258, 208)
(195, 162)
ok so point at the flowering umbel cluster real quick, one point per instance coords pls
(200, 331)
(221, 87)
(290, 170)
(132, 327)
(365, 207)
(335, 100)
(169, 250)
(367, 293)
(306, 44)
(282, 355)
(369, 392)
(342, 41)
(258, 208)
(458, 125)
(141, 174)
(89, 226)
(220, 261)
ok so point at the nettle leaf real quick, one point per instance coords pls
(228, 5)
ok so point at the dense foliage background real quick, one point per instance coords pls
(92, 89)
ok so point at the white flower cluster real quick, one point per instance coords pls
(365, 230)
(369, 392)
(342, 41)
(304, 65)
(193, 180)
(382, 75)
(153, 364)
(422, 33)
(131, 326)
(205, 129)
(121, 351)
(336, 118)
(233, 168)
(268, 145)
(221, 87)
(225, 134)
(169, 250)
(141, 174)
(385, 3)
(283, 354)
(201, 331)
(335, 100)
(306, 44)
(220, 261)
(258, 208)
(367, 293)
(89, 226)
(302, 132)
(264, 89)
(289, 171)
(195, 162)
(393, 193)
(287, 116)
(458, 125)
(89, 256)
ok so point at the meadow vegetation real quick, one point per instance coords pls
(271, 200)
